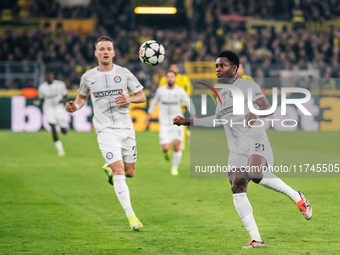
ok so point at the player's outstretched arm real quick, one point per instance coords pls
(147, 119)
(180, 121)
(74, 106)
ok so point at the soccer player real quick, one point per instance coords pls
(248, 146)
(108, 84)
(170, 98)
(182, 81)
(53, 95)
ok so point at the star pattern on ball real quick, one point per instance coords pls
(147, 45)
(157, 52)
(146, 59)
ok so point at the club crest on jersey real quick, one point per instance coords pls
(109, 155)
(113, 92)
(117, 79)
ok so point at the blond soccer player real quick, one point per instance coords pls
(109, 84)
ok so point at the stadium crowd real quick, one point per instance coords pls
(207, 33)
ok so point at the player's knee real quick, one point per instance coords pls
(130, 174)
(177, 149)
(130, 170)
(117, 171)
(239, 186)
(64, 131)
(238, 189)
(177, 145)
(165, 149)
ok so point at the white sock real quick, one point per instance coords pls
(273, 182)
(245, 211)
(176, 159)
(123, 193)
(58, 144)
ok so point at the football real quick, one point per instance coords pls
(151, 53)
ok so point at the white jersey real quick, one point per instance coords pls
(170, 104)
(52, 94)
(240, 137)
(104, 88)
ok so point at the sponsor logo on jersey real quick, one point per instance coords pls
(169, 103)
(117, 79)
(226, 111)
(107, 93)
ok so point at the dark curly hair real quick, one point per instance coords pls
(231, 56)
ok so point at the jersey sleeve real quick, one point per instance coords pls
(154, 102)
(40, 92)
(84, 88)
(63, 88)
(256, 92)
(133, 84)
(204, 122)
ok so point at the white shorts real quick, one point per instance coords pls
(117, 144)
(168, 134)
(56, 115)
(241, 160)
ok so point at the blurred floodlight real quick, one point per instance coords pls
(155, 10)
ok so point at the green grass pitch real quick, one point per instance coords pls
(64, 205)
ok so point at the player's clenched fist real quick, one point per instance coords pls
(70, 106)
(179, 121)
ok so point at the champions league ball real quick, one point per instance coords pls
(151, 53)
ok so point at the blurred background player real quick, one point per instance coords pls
(109, 86)
(241, 73)
(53, 95)
(171, 97)
(248, 147)
(182, 81)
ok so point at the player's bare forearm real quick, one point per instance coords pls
(139, 97)
(122, 100)
(263, 105)
(180, 121)
(72, 106)
(147, 119)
